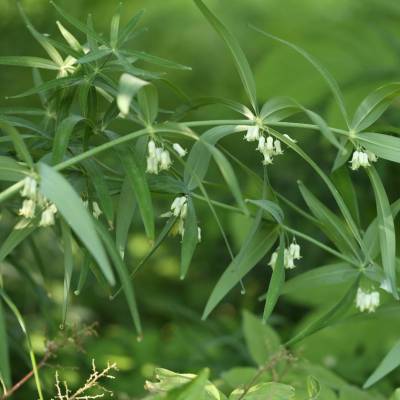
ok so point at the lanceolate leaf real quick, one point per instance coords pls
(276, 282)
(129, 27)
(62, 137)
(374, 105)
(19, 144)
(278, 108)
(270, 207)
(199, 157)
(387, 236)
(33, 62)
(13, 240)
(190, 238)
(387, 365)
(229, 175)
(148, 103)
(11, 170)
(5, 373)
(57, 189)
(384, 146)
(123, 274)
(125, 211)
(259, 240)
(68, 266)
(241, 62)
(332, 274)
(329, 317)
(331, 225)
(137, 179)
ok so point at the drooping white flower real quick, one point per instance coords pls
(96, 210)
(47, 217)
(362, 158)
(30, 188)
(367, 300)
(151, 147)
(272, 261)
(261, 143)
(294, 250)
(253, 133)
(178, 205)
(28, 209)
(152, 165)
(179, 149)
(267, 159)
(165, 160)
(277, 145)
(269, 145)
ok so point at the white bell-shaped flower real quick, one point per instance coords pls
(47, 217)
(96, 210)
(178, 205)
(30, 188)
(179, 149)
(272, 261)
(277, 147)
(253, 133)
(28, 209)
(165, 160)
(152, 164)
(367, 300)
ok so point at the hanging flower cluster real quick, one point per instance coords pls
(367, 300)
(159, 159)
(96, 211)
(34, 200)
(267, 146)
(179, 210)
(290, 254)
(362, 158)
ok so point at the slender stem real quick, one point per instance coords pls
(306, 126)
(219, 122)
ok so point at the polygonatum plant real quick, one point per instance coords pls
(101, 147)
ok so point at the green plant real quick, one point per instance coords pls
(100, 147)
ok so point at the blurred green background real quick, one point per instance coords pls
(359, 43)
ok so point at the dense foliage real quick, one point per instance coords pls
(101, 160)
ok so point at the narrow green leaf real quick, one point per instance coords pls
(374, 105)
(99, 182)
(333, 227)
(256, 245)
(387, 365)
(83, 273)
(137, 179)
(13, 240)
(387, 235)
(69, 38)
(19, 144)
(68, 267)
(11, 170)
(123, 274)
(278, 108)
(270, 207)
(190, 238)
(126, 31)
(330, 316)
(199, 156)
(148, 103)
(261, 340)
(62, 137)
(322, 70)
(276, 282)
(162, 62)
(229, 175)
(239, 57)
(125, 212)
(5, 372)
(33, 62)
(114, 27)
(384, 146)
(24, 329)
(58, 190)
(327, 275)
(94, 55)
